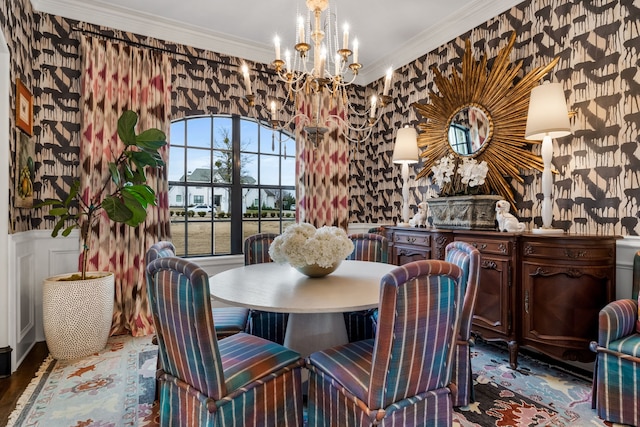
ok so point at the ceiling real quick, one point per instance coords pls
(390, 33)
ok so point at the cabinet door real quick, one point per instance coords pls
(560, 306)
(492, 315)
(404, 254)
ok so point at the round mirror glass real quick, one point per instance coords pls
(469, 130)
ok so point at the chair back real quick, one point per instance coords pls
(256, 248)
(369, 247)
(181, 306)
(160, 249)
(418, 325)
(467, 258)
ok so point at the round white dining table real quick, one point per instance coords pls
(315, 305)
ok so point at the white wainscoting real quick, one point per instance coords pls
(33, 256)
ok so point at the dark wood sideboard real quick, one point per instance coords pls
(538, 291)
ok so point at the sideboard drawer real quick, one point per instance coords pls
(488, 246)
(417, 239)
(566, 251)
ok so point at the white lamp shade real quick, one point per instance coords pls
(406, 148)
(548, 115)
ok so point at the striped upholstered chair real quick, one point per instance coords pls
(228, 320)
(616, 378)
(401, 376)
(467, 258)
(240, 380)
(366, 247)
(265, 324)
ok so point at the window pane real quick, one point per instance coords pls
(222, 133)
(176, 135)
(199, 132)
(269, 141)
(223, 166)
(269, 170)
(222, 197)
(199, 239)
(198, 165)
(176, 164)
(249, 136)
(249, 168)
(288, 171)
(177, 196)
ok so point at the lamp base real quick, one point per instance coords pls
(403, 224)
(547, 231)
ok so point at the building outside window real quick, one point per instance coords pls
(256, 196)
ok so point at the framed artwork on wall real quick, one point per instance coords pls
(24, 108)
(26, 172)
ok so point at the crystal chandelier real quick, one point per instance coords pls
(311, 70)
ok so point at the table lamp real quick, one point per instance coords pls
(547, 118)
(405, 152)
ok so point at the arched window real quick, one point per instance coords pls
(229, 177)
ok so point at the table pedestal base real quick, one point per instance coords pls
(309, 332)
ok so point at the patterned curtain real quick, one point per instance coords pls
(116, 78)
(322, 165)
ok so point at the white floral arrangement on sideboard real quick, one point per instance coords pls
(303, 244)
(457, 177)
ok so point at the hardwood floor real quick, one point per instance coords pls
(11, 388)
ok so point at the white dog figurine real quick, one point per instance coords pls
(506, 221)
(420, 218)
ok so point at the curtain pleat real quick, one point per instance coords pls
(322, 166)
(117, 78)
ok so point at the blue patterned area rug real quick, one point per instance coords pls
(116, 387)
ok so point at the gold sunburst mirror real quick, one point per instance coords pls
(482, 113)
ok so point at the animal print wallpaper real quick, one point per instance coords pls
(597, 186)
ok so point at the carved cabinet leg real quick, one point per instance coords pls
(513, 354)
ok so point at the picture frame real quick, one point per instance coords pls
(24, 108)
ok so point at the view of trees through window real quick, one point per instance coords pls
(214, 204)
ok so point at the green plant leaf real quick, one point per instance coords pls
(126, 127)
(68, 230)
(151, 139)
(143, 158)
(73, 192)
(138, 209)
(58, 211)
(142, 193)
(116, 210)
(115, 173)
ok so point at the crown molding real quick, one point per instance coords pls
(130, 20)
(125, 19)
(476, 13)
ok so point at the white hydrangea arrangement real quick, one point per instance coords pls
(455, 177)
(302, 244)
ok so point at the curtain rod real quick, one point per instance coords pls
(165, 50)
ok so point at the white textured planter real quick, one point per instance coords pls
(77, 314)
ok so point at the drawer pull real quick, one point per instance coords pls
(526, 301)
(479, 247)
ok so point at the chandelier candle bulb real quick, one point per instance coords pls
(276, 41)
(387, 82)
(300, 29)
(374, 101)
(247, 78)
(287, 60)
(273, 109)
(345, 37)
(355, 51)
(337, 64)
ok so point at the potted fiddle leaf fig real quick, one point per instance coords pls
(78, 307)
